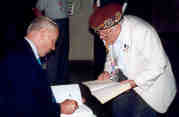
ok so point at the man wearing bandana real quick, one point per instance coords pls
(135, 55)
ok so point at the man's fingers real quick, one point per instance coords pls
(74, 105)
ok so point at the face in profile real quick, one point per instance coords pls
(48, 41)
(110, 35)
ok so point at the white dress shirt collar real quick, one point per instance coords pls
(34, 49)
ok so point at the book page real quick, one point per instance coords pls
(72, 91)
(68, 91)
(105, 90)
(99, 84)
(108, 93)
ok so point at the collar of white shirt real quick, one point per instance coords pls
(34, 49)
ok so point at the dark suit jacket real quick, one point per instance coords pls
(24, 90)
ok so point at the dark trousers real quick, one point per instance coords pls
(131, 104)
(57, 68)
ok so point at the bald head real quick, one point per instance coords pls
(41, 22)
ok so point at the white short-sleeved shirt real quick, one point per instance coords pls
(54, 9)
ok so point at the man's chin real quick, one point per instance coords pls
(43, 55)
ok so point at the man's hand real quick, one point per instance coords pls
(104, 76)
(131, 82)
(68, 106)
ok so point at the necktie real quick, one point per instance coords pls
(53, 98)
(38, 60)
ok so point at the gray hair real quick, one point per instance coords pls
(41, 22)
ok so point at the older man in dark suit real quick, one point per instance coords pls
(25, 91)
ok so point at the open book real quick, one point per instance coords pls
(105, 90)
(72, 91)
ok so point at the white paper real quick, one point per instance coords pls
(70, 91)
(105, 90)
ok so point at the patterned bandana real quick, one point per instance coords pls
(106, 16)
(110, 22)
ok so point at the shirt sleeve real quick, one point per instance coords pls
(41, 4)
(155, 58)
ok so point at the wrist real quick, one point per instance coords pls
(132, 83)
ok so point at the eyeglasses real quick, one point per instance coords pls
(106, 31)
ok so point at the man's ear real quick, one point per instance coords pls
(118, 26)
(42, 33)
(117, 29)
